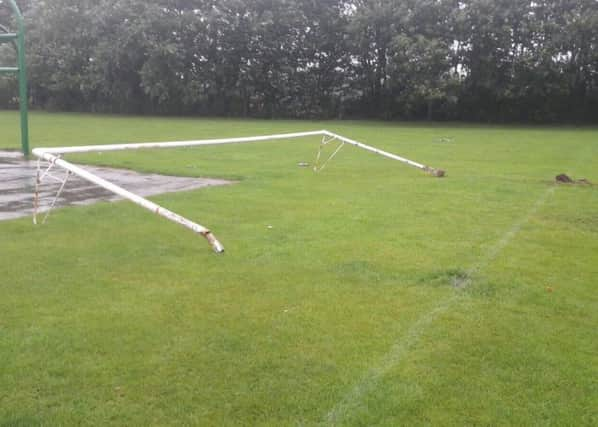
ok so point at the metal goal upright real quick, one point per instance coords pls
(18, 41)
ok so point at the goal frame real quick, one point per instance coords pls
(53, 158)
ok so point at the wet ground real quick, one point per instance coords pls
(17, 185)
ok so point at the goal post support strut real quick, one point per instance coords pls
(18, 40)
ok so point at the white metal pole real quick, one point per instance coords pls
(151, 206)
(178, 144)
(432, 171)
(195, 143)
(51, 155)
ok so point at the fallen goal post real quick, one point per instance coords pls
(51, 158)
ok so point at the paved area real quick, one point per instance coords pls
(17, 184)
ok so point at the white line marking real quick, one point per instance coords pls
(394, 356)
(505, 240)
(352, 399)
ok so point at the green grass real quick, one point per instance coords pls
(343, 313)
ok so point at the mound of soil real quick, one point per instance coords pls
(565, 179)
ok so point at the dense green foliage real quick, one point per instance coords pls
(438, 59)
(344, 312)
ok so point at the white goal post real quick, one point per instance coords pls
(53, 157)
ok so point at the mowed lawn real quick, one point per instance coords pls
(366, 294)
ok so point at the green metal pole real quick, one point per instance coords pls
(23, 96)
(22, 65)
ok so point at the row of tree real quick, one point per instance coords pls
(489, 60)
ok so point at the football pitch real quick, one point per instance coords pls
(368, 293)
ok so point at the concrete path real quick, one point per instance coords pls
(17, 184)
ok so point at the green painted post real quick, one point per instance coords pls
(23, 96)
(21, 69)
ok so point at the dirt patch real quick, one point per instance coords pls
(17, 184)
(565, 179)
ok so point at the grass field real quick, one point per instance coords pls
(344, 312)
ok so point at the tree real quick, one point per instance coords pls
(491, 60)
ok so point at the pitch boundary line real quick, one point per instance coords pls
(398, 350)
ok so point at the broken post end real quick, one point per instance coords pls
(438, 173)
(216, 245)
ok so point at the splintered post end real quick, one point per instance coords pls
(438, 173)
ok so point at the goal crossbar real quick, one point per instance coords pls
(176, 144)
(53, 157)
